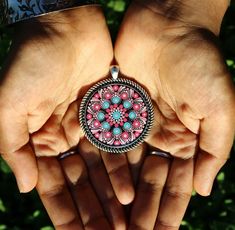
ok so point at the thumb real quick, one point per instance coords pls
(16, 150)
(216, 139)
(23, 164)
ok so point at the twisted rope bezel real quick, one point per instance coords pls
(86, 130)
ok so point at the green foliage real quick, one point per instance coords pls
(217, 212)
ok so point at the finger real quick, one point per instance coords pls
(146, 204)
(85, 198)
(216, 139)
(207, 168)
(15, 149)
(24, 166)
(170, 134)
(45, 141)
(100, 181)
(55, 195)
(176, 194)
(71, 125)
(120, 176)
(135, 159)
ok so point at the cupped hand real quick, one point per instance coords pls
(53, 61)
(179, 63)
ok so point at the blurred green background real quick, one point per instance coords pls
(25, 212)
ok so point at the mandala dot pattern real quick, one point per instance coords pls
(116, 116)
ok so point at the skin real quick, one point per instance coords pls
(186, 108)
(171, 49)
(53, 61)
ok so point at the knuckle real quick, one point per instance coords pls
(116, 170)
(160, 224)
(150, 187)
(68, 225)
(185, 152)
(135, 226)
(55, 191)
(177, 193)
(94, 221)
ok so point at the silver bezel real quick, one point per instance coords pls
(89, 135)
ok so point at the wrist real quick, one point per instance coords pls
(67, 21)
(71, 28)
(200, 13)
(70, 23)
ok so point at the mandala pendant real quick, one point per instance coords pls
(116, 114)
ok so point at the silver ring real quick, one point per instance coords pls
(160, 153)
(67, 154)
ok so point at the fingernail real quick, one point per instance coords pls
(21, 186)
(208, 189)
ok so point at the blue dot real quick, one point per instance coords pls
(100, 116)
(116, 115)
(127, 104)
(116, 100)
(132, 115)
(117, 131)
(106, 125)
(127, 125)
(105, 105)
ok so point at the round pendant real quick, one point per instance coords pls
(116, 114)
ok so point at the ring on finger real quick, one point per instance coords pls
(160, 153)
(67, 154)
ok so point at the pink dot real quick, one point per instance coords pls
(121, 106)
(107, 135)
(137, 134)
(136, 107)
(115, 106)
(136, 124)
(97, 96)
(116, 125)
(107, 110)
(111, 123)
(135, 95)
(124, 119)
(96, 124)
(107, 96)
(117, 142)
(121, 124)
(125, 135)
(124, 96)
(97, 135)
(126, 115)
(97, 107)
(144, 114)
(106, 116)
(89, 116)
(115, 87)
(111, 106)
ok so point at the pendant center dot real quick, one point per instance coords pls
(116, 115)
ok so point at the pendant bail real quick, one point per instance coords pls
(114, 71)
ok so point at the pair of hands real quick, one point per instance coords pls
(52, 63)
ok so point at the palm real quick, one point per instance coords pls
(62, 69)
(184, 74)
(47, 71)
